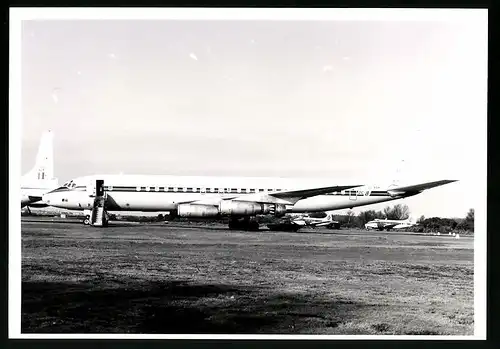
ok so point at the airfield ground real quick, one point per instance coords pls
(168, 278)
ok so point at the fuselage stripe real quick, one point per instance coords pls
(197, 190)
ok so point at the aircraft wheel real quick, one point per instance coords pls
(233, 225)
(86, 221)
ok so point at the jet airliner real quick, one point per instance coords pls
(238, 198)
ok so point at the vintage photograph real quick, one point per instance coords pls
(233, 174)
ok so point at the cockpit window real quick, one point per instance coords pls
(69, 184)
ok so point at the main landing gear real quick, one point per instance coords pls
(245, 223)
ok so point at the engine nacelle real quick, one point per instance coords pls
(279, 210)
(187, 210)
(241, 208)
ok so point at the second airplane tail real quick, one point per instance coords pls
(43, 170)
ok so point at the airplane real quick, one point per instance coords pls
(294, 224)
(388, 224)
(305, 220)
(239, 198)
(40, 179)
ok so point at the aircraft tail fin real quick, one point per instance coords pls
(43, 170)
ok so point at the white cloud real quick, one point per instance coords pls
(193, 56)
(327, 68)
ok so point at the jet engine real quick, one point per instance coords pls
(187, 210)
(230, 208)
(242, 208)
(279, 210)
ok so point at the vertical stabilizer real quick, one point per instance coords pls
(44, 163)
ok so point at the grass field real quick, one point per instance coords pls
(189, 279)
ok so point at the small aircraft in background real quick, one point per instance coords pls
(294, 224)
(307, 221)
(389, 224)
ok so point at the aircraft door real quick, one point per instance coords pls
(95, 188)
(99, 184)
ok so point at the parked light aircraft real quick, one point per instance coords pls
(237, 197)
(307, 221)
(295, 223)
(40, 179)
(388, 224)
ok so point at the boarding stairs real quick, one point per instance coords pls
(99, 216)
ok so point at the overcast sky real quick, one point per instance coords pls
(331, 99)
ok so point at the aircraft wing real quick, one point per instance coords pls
(321, 224)
(305, 193)
(387, 225)
(420, 187)
(279, 197)
(290, 197)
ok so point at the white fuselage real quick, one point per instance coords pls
(29, 191)
(164, 193)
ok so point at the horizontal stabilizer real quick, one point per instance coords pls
(420, 187)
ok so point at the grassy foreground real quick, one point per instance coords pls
(174, 279)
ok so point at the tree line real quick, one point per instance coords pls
(402, 212)
(349, 220)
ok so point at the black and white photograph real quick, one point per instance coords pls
(247, 173)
